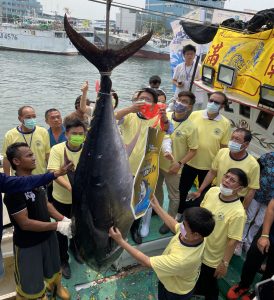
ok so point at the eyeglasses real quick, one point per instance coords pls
(147, 99)
(229, 178)
(216, 102)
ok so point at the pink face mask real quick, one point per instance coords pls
(183, 231)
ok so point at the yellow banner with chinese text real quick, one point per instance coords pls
(251, 54)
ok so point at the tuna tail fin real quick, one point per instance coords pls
(105, 60)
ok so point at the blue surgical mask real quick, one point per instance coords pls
(234, 147)
(30, 123)
(213, 108)
(180, 107)
(225, 191)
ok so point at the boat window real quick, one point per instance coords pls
(245, 111)
(87, 34)
(264, 119)
(59, 34)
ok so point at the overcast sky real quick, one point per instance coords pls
(90, 10)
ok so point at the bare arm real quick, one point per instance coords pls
(23, 221)
(6, 166)
(263, 242)
(63, 182)
(134, 108)
(221, 269)
(248, 198)
(175, 167)
(167, 219)
(211, 174)
(54, 213)
(138, 255)
(83, 100)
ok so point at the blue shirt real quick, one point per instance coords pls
(62, 137)
(266, 191)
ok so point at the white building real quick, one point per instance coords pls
(126, 20)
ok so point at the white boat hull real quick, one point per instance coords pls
(32, 40)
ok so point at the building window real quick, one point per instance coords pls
(245, 111)
(264, 119)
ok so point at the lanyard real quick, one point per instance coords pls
(188, 73)
(23, 135)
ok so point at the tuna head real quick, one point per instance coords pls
(102, 187)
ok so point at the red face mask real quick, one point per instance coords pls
(150, 110)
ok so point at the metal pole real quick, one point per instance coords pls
(107, 22)
(194, 72)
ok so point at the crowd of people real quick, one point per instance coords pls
(231, 210)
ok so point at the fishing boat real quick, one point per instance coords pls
(156, 48)
(37, 38)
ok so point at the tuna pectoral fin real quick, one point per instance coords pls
(131, 145)
(103, 60)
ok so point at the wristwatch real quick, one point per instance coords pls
(225, 263)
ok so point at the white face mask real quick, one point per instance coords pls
(225, 191)
(213, 108)
(234, 147)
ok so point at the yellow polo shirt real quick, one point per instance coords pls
(184, 138)
(129, 128)
(38, 141)
(230, 218)
(249, 165)
(56, 160)
(211, 133)
(178, 268)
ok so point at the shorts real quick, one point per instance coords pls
(35, 265)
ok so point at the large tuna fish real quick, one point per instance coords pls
(103, 181)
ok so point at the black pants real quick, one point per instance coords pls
(207, 284)
(186, 181)
(64, 209)
(164, 294)
(254, 259)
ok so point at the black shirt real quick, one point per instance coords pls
(35, 202)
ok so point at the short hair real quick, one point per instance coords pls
(150, 91)
(74, 123)
(247, 134)
(243, 180)
(13, 152)
(155, 79)
(199, 220)
(49, 111)
(189, 47)
(221, 94)
(160, 92)
(188, 94)
(20, 110)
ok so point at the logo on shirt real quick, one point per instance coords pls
(220, 216)
(38, 144)
(217, 131)
(178, 133)
(30, 196)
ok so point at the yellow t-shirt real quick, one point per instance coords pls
(211, 133)
(230, 220)
(38, 141)
(56, 160)
(129, 128)
(178, 267)
(184, 138)
(222, 162)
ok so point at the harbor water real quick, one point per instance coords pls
(45, 81)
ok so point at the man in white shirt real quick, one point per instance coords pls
(184, 71)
